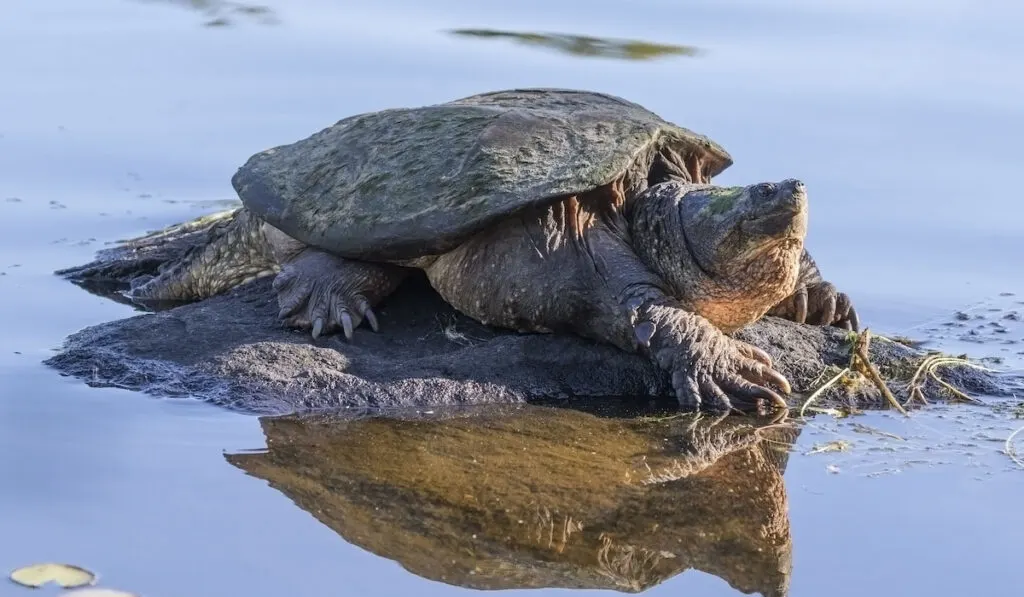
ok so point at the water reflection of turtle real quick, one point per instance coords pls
(531, 497)
(536, 210)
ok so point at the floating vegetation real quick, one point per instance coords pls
(927, 369)
(861, 428)
(911, 379)
(224, 13)
(836, 446)
(585, 46)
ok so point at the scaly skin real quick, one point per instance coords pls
(235, 253)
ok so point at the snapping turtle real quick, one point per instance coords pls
(539, 210)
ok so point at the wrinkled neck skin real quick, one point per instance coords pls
(730, 289)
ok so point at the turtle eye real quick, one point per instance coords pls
(765, 190)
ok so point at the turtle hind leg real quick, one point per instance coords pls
(234, 252)
(321, 293)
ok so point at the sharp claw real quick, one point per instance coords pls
(318, 326)
(780, 380)
(289, 306)
(644, 331)
(760, 355)
(346, 324)
(371, 318)
(801, 306)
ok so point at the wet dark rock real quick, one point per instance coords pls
(231, 350)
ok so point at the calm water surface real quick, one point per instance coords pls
(117, 117)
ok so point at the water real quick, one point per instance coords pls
(120, 116)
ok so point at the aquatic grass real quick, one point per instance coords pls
(904, 340)
(814, 395)
(927, 368)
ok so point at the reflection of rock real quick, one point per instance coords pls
(584, 46)
(527, 497)
(222, 13)
(231, 350)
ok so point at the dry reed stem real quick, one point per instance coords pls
(928, 367)
(860, 362)
(819, 391)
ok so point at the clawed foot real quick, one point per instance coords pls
(819, 304)
(318, 293)
(714, 372)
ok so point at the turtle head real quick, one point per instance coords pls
(735, 251)
(731, 229)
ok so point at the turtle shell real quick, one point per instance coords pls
(403, 183)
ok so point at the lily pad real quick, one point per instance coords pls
(64, 575)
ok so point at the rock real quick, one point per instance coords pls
(231, 350)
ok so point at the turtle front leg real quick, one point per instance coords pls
(709, 369)
(817, 301)
(321, 293)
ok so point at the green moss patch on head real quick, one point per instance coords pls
(723, 200)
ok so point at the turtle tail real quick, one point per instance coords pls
(233, 252)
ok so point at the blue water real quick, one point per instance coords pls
(117, 117)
